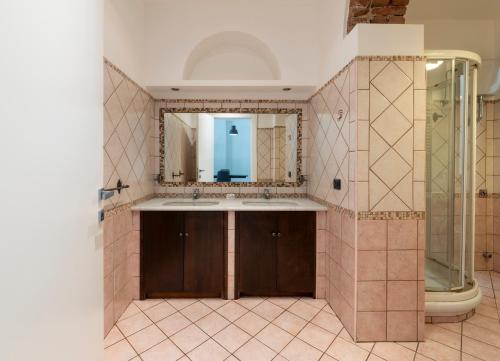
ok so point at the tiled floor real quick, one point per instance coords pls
(291, 329)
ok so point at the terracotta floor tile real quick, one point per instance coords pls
(163, 351)
(214, 303)
(232, 338)
(483, 350)
(488, 311)
(180, 303)
(249, 302)
(454, 327)
(484, 322)
(315, 302)
(131, 310)
(316, 337)
(374, 357)
(481, 334)
(268, 332)
(268, 310)
(274, 337)
(208, 351)
(196, 311)
(419, 357)
(160, 311)
(298, 350)
(121, 351)
(251, 323)
(173, 323)
(133, 324)
(212, 323)
(232, 311)
(189, 338)
(343, 350)
(254, 350)
(409, 345)
(147, 338)
(367, 346)
(113, 337)
(145, 304)
(391, 351)
(326, 357)
(328, 321)
(304, 310)
(283, 302)
(290, 322)
(444, 336)
(438, 351)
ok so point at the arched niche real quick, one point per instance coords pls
(231, 55)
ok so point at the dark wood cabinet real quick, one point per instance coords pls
(276, 253)
(182, 254)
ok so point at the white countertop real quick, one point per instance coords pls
(237, 204)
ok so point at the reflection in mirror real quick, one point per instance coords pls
(230, 147)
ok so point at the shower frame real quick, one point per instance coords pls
(467, 163)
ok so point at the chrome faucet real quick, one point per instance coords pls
(196, 193)
(267, 194)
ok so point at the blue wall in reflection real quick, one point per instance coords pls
(233, 152)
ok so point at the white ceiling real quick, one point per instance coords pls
(453, 9)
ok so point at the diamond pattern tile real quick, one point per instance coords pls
(391, 81)
(291, 337)
(391, 137)
(127, 109)
(330, 139)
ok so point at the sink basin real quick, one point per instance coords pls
(190, 203)
(269, 203)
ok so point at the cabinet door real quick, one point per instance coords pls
(204, 254)
(163, 252)
(256, 253)
(295, 248)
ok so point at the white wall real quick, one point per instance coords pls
(205, 147)
(124, 36)
(335, 51)
(174, 28)
(51, 157)
(338, 49)
(481, 36)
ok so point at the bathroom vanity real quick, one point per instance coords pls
(189, 246)
(275, 253)
(182, 254)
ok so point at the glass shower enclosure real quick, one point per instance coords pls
(450, 173)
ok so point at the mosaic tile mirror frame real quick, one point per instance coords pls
(295, 181)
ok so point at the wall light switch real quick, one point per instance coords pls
(336, 183)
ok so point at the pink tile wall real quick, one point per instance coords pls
(121, 264)
(321, 254)
(331, 134)
(340, 266)
(128, 143)
(374, 268)
(390, 282)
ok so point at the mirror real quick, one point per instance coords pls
(244, 148)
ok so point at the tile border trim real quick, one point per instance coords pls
(391, 215)
(299, 180)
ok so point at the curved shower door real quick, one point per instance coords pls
(449, 145)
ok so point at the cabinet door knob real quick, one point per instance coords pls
(279, 234)
(187, 234)
(180, 234)
(273, 234)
